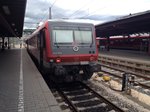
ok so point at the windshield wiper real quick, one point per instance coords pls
(56, 41)
(91, 43)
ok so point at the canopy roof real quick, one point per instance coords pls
(136, 23)
(12, 14)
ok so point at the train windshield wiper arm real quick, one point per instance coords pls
(91, 43)
(56, 41)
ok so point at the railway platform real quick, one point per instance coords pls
(134, 55)
(22, 88)
(131, 61)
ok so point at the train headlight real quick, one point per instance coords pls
(58, 60)
(51, 60)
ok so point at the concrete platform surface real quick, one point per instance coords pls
(22, 88)
(129, 54)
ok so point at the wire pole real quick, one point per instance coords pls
(50, 14)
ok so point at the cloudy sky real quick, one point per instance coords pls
(94, 11)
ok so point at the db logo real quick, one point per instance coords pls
(75, 48)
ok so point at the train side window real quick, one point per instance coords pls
(38, 41)
(43, 38)
(44, 42)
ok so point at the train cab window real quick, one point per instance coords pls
(62, 36)
(41, 39)
(83, 37)
(68, 35)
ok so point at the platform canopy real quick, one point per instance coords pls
(133, 23)
(12, 14)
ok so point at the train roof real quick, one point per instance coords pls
(60, 22)
(70, 21)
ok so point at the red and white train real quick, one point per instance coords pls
(66, 49)
(138, 43)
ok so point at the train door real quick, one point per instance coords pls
(149, 47)
(41, 47)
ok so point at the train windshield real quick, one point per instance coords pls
(62, 36)
(83, 37)
(70, 35)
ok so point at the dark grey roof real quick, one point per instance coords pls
(12, 14)
(133, 23)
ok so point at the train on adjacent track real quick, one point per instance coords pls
(138, 43)
(65, 50)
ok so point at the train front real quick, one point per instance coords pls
(73, 53)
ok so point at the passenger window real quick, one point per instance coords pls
(43, 38)
(38, 41)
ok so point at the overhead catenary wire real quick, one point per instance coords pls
(92, 13)
(60, 15)
(80, 8)
(53, 3)
(30, 25)
(46, 13)
(41, 19)
(88, 12)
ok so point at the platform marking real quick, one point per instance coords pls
(21, 98)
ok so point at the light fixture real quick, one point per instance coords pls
(6, 10)
(13, 24)
(58, 60)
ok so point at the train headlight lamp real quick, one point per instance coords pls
(51, 60)
(58, 60)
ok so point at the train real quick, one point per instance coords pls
(137, 43)
(66, 51)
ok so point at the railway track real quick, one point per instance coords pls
(81, 98)
(125, 71)
(140, 70)
(119, 75)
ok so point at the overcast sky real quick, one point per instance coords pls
(95, 11)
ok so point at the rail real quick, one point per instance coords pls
(75, 107)
(101, 97)
(120, 76)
